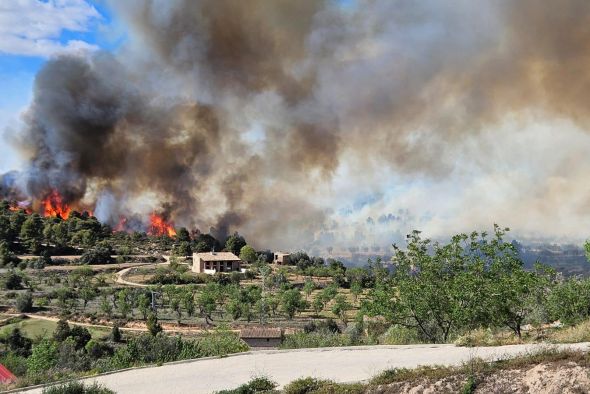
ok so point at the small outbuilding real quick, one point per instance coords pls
(262, 337)
(281, 258)
(212, 262)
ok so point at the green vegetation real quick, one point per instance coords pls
(473, 290)
(256, 385)
(77, 388)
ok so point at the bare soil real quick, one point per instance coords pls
(545, 378)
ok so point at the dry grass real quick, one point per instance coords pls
(577, 333)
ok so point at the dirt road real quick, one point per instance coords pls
(339, 364)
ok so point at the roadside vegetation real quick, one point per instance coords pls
(476, 375)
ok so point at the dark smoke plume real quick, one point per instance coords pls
(239, 115)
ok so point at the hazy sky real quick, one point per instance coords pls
(446, 117)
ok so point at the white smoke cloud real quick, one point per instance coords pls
(34, 27)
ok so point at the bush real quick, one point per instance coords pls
(99, 255)
(256, 385)
(305, 385)
(24, 302)
(115, 335)
(321, 338)
(329, 325)
(43, 358)
(399, 335)
(15, 363)
(77, 388)
(62, 331)
(148, 349)
(13, 281)
(18, 344)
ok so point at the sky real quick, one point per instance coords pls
(32, 31)
(443, 117)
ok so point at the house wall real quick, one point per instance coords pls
(200, 266)
(262, 342)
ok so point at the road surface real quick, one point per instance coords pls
(349, 364)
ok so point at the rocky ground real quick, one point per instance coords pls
(546, 378)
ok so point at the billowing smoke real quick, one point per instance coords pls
(288, 120)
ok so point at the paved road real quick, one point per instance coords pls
(339, 364)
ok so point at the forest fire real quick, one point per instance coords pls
(54, 206)
(159, 226)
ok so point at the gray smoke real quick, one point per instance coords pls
(242, 115)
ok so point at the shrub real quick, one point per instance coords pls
(98, 255)
(115, 335)
(80, 335)
(24, 302)
(321, 338)
(305, 385)
(399, 335)
(18, 344)
(256, 385)
(77, 388)
(15, 363)
(329, 325)
(62, 331)
(152, 324)
(44, 356)
(13, 281)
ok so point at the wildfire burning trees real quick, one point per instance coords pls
(159, 226)
(54, 206)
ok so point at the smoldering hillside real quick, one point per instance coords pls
(303, 123)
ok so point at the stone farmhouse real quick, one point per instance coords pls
(213, 262)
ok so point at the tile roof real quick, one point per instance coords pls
(217, 256)
(261, 332)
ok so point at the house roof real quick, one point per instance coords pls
(261, 332)
(6, 376)
(217, 256)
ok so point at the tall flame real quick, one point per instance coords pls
(54, 206)
(159, 226)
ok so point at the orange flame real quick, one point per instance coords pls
(159, 226)
(121, 226)
(54, 206)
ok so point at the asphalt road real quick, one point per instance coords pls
(349, 364)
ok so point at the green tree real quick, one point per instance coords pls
(308, 287)
(248, 254)
(340, 307)
(24, 302)
(292, 302)
(356, 289)
(62, 331)
(7, 258)
(183, 235)
(105, 306)
(206, 302)
(235, 243)
(317, 305)
(123, 304)
(87, 294)
(175, 305)
(144, 303)
(153, 326)
(182, 249)
(31, 233)
(188, 302)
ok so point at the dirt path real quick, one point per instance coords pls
(348, 364)
(120, 276)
